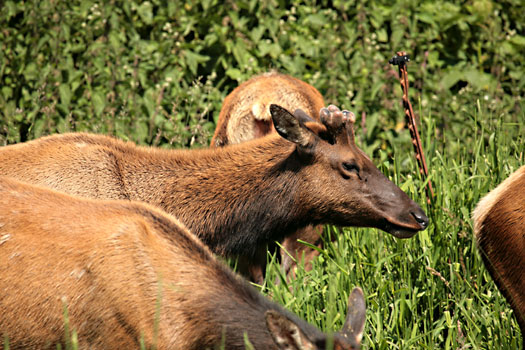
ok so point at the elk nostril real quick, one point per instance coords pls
(421, 219)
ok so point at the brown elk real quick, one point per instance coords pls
(245, 115)
(499, 225)
(238, 198)
(125, 273)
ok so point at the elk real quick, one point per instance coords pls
(126, 272)
(245, 115)
(499, 226)
(238, 198)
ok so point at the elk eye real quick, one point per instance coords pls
(351, 167)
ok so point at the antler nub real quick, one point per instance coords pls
(337, 122)
(348, 116)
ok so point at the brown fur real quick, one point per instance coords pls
(237, 198)
(125, 271)
(245, 115)
(499, 225)
(245, 112)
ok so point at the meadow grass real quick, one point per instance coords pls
(431, 291)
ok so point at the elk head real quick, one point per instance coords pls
(289, 336)
(340, 180)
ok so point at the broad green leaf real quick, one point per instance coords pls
(141, 131)
(149, 101)
(99, 102)
(518, 40)
(234, 73)
(7, 92)
(65, 94)
(478, 79)
(451, 78)
(145, 12)
(38, 127)
(10, 8)
(257, 33)
(382, 35)
(316, 19)
(194, 59)
(31, 71)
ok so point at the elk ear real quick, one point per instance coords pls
(310, 123)
(355, 315)
(285, 333)
(290, 128)
(302, 116)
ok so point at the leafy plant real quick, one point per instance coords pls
(156, 72)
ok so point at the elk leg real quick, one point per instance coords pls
(253, 268)
(298, 251)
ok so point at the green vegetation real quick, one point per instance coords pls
(156, 72)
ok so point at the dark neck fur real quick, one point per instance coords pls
(244, 312)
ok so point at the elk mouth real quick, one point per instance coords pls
(399, 232)
(406, 230)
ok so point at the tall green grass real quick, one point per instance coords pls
(431, 291)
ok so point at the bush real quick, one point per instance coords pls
(156, 71)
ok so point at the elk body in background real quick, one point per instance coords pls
(245, 115)
(238, 198)
(499, 225)
(126, 272)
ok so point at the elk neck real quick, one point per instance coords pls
(235, 199)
